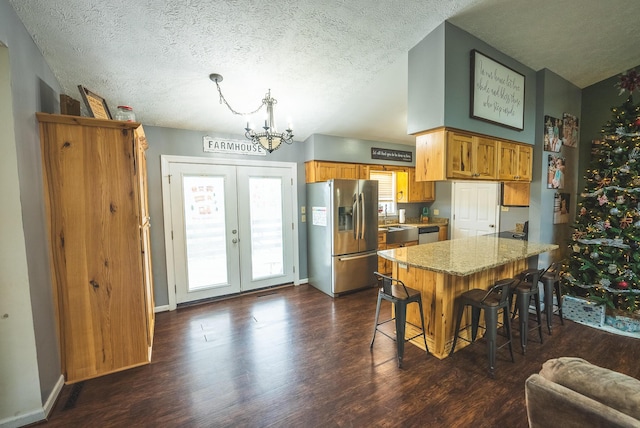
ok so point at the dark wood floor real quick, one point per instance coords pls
(294, 357)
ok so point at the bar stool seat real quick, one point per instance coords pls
(550, 279)
(526, 289)
(490, 301)
(394, 291)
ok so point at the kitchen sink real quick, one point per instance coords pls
(401, 234)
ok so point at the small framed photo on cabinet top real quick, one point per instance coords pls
(96, 105)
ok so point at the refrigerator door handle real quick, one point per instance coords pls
(356, 217)
(362, 214)
(359, 256)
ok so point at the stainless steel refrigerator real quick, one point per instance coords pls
(342, 235)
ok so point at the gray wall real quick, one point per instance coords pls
(430, 85)
(555, 97)
(34, 88)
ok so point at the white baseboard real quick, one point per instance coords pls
(301, 281)
(162, 308)
(51, 401)
(36, 415)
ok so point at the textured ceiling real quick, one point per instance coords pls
(336, 67)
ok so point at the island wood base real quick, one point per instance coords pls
(439, 294)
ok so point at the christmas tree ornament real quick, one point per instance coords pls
(623, 285)
(576, 248)
(620, 199)
(614, 211)
(617, 150)
(583, 211)
(595, 255)
(612, 268)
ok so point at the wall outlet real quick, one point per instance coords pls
(436, 212)
(303, 210)
(505, 209)
(303, 218)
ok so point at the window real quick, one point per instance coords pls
(386, 191)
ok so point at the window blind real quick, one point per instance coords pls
(385, 185)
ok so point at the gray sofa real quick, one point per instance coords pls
(571, 392)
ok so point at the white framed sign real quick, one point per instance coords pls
(235, 147)
(497, 92)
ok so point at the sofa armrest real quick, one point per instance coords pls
(552, 405)
(611, 388)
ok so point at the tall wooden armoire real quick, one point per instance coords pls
(95, 190)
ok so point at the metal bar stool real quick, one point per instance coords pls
(525, 290)
(394, 291)
(491, 301)
(550, 279)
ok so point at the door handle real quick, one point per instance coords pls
(234, 240)
(492, 225)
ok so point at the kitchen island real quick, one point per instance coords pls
(444, 270)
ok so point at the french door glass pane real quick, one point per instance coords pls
(265, 195)
(205, 231)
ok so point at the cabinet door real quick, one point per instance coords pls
(94, 225)
(484, 158)
(515, 194)
(507, 161)
(347, 170)
(459, 156)
(525, 163)
(402, 187)
(325, 171)
(420, 191)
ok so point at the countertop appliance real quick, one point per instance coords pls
(428, 234)
(342, 235)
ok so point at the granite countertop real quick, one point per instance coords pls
(467, 255)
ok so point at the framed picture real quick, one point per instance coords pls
(555, 172)
(497, 92)
(570, 130)
(96, 105)
(561, 208)
(552, 134)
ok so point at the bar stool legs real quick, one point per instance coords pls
(400, 296)
(551, 283)
(491, 302)
(526, 290)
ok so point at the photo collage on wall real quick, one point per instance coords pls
(559, 133)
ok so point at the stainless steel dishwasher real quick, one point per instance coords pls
(427, 234)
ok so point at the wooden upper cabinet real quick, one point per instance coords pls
(322, 171)
(444, 154)
(431, 155)
(515, 194)
(514, 161)
(470, 157)
(459, 156)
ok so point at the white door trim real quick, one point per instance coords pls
(165, 163)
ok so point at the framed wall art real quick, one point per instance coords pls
(497, 92)
(96, 105)
(552, 134)
(570, 130)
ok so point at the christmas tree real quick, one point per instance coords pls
(604, 261)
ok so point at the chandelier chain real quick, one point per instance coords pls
(224, 100)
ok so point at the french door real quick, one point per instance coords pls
(232, 228)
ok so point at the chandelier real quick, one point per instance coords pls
(270, 139)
